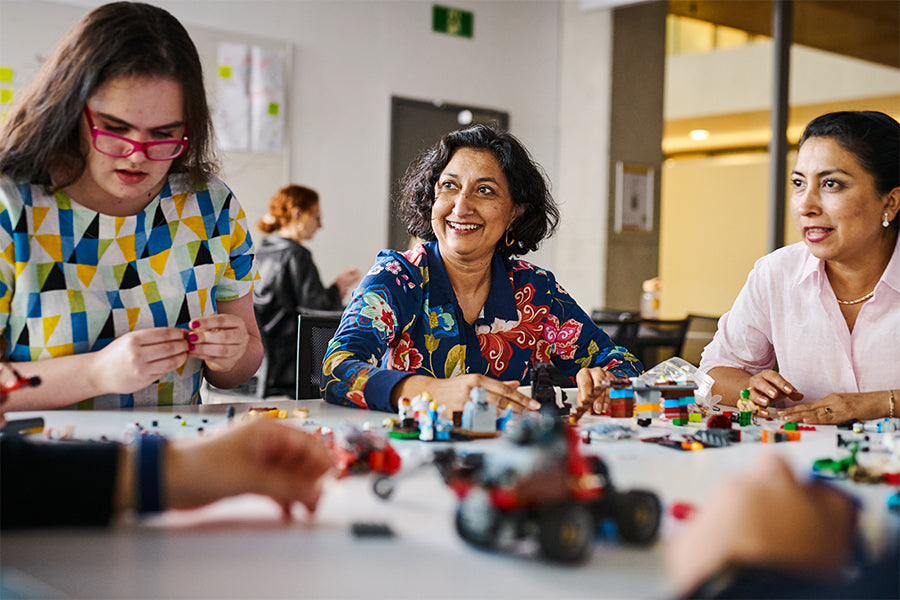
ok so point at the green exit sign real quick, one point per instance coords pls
(452, 21)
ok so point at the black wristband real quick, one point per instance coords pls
(150, 458)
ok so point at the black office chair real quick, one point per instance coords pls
(658, 340)
(620, 325)
(698, 333)
(314, 332)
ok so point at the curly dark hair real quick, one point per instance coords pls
(527, 184)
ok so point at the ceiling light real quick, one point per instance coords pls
(699, 134)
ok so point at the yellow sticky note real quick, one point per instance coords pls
(273, 108)
(6, 95)
(6, 74)
(224, 72)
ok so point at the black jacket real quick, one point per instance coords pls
(288, 281)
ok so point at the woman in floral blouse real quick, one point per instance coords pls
(457, 311)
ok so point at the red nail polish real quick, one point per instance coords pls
(193, 337)
(195, 324)
(190, 347)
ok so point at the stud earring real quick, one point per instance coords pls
(884, 220)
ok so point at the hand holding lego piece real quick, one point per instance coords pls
(765, 518)
(767, 388)
(219, 340)
(593, 391)
(138, 358)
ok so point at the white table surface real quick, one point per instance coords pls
(240, 547)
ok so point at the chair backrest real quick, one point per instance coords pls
(699, 332)
(620, 325)
(659, 340)
(314, 332)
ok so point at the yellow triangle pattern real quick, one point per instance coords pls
(126, 245)
(133, 314)
(9, 253)
(179, 201)
(120, 221)
(52, 244)
(196, 225)
(158, 261)
(86, 273)
(62, 350)
(50, 324)
(38, 214)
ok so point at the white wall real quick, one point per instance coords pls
(739, 80)
(350, 57)
(585, 74)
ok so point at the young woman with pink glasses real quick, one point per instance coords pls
(126, 266)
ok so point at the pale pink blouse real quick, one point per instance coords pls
(788, 312)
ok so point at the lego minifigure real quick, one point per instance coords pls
(478, 414)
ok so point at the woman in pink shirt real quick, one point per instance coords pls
(826, 310)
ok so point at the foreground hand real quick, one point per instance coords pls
(260, 457)
(768, 388)
(454, 393)
(764, 518)
(138, 358)
(592, 395)
(218, 340)
(839, 408)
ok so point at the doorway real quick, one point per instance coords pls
(416, 126)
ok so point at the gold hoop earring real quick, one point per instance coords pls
(507, 241)
(884, 220)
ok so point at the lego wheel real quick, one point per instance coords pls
(637, 515)
(383, 486)
(477, 521)
(565, 532)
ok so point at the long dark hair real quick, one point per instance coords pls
(872, 137)
(115, 40)
(527, 184)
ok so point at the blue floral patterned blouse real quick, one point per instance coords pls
(404, 319)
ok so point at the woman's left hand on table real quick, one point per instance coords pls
(218, 340)
(839, 408)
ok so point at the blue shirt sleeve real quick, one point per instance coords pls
(382, 307)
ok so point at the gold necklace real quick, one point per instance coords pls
(857, 301)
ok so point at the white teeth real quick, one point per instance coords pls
(462, 226)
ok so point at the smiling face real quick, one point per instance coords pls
(836, 205)
(472, 206)
(142, 109)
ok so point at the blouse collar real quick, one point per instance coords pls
(500, 303)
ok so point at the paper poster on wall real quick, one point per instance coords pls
(7, 91)
(634, 197)
(232, 116)
(266, 100)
